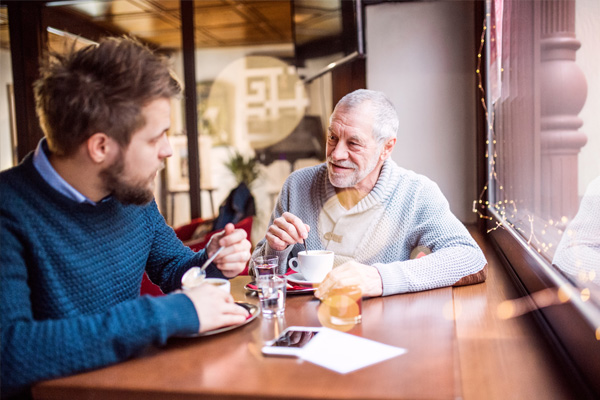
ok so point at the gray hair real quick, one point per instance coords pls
(385, 117)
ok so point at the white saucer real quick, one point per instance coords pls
(298, 279)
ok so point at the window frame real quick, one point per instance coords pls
(572, 327)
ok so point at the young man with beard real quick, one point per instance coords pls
(79, 225)
(370, 212)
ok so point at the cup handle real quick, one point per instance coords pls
(291, 264)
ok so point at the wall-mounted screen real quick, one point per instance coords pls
(327, 33)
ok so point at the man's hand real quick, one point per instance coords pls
(215, 307)
(286, 230)
(349, 274)
(236, 253)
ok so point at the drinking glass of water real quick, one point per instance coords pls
(271, 293)
(265, 265)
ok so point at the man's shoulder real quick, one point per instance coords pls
(8, 174)
(406, 177)
(407, 188)
(12, 181)
(306, 174)
(17, 172)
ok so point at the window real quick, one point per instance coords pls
(8, 140)
(541, 94)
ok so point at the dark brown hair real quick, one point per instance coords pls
(100, 88)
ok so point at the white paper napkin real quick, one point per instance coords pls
(343, 352)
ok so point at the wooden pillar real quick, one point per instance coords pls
(348, 77)
(563, 90)
(27, 42)
(191, 108)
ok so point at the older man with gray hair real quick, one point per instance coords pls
(391, 229)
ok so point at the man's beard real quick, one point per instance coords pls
(346, 181)
(138, 193)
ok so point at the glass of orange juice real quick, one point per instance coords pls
(343, 305)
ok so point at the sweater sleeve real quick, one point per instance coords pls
(34, 349)
(454, 253)
(169, 258)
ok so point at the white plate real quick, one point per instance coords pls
(251, 308)
(298, 279)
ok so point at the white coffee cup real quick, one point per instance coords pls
(313, 265)
(192, 278)
(220, 283)
(195, 277)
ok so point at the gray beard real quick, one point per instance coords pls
(352, 180)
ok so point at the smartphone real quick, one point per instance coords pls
(291, 341)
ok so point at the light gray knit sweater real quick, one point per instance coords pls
(416, 214)
(578, 253)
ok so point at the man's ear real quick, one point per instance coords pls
(99, 147)
(387, 148)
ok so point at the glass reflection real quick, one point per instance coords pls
(541, 98)
(578, 253)
(254, 102)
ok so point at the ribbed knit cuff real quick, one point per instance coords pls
(180, 314)
(393, 278)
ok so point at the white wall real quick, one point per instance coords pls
(6, 160)
(422, 55)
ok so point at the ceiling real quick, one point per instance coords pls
(218, 23)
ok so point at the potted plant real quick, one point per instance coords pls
(244, 169)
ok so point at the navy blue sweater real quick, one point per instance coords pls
(71, 276)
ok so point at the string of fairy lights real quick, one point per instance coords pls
(505, 208)
(507, 211)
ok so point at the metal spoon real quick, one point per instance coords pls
(193, 274)
(211, 258)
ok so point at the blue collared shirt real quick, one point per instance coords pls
(43, 166)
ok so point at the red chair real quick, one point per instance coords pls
(184, 233)
(149, 288)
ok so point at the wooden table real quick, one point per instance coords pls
(230, 365)
(457, 348)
